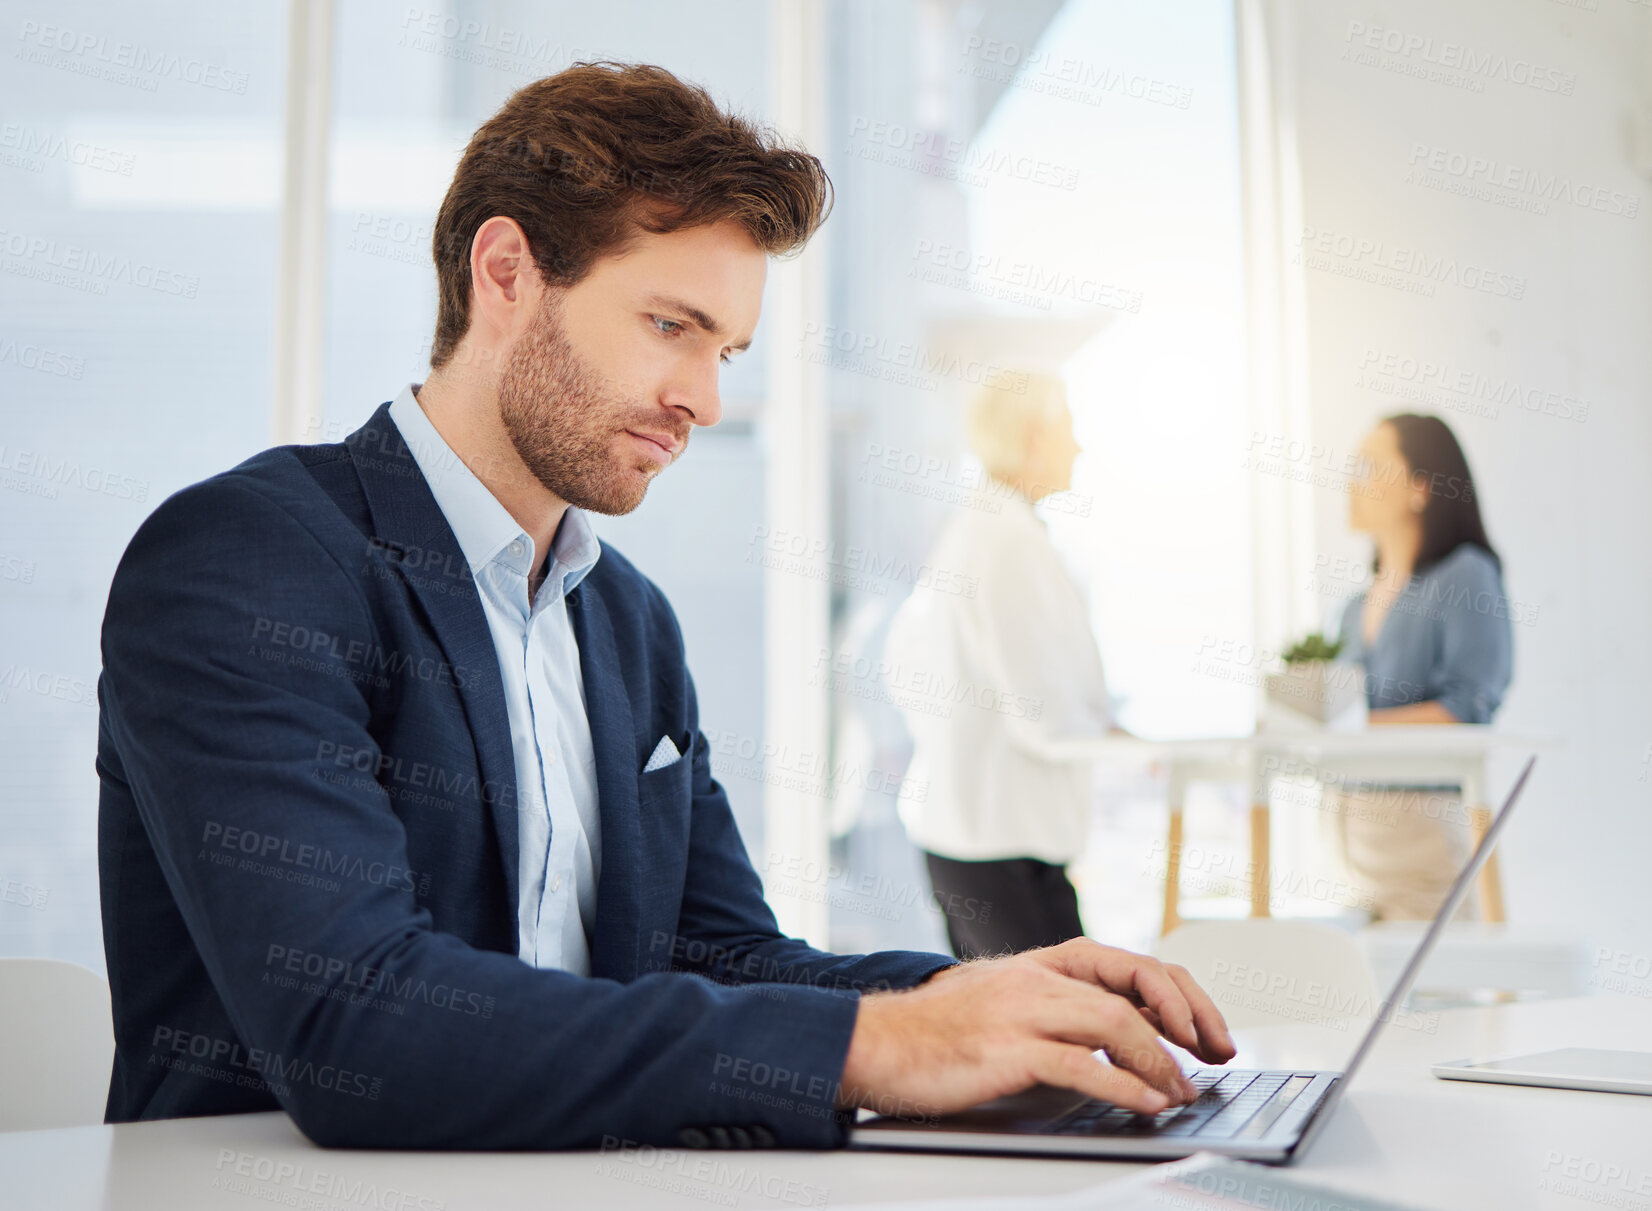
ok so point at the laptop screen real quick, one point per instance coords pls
(1408, 976)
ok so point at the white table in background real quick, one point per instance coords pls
(1407, 755)
(1417, 754)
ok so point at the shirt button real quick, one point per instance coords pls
(556, 882)
(517, 548)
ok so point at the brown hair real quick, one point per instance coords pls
(586, 158)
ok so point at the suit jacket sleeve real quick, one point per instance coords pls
(227, 650)
(727, 930)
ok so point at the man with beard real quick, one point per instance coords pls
(407, 823)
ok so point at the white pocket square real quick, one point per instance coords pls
(664, 754)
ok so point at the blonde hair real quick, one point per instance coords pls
(1001, 421)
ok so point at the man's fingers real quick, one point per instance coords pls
(1071, 1066)
(1138, 977)
(1096, 1019)
(1169, 1001)
(1187, 1015)
(1214, 1044)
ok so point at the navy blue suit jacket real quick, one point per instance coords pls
(307, 847)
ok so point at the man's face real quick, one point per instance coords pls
(599, 394)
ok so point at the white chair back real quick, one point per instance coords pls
(1264, 971)
(57, 1043)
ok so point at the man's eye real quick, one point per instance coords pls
(725, 357)
(666, 327)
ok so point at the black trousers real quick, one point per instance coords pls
(1003, 906)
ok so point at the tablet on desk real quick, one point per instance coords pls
(1568, 1068)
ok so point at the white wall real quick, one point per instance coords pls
(1568, 501)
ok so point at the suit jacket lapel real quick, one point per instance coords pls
(416, 540)
(613, 741)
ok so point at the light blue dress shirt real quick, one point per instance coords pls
(558, 826)
(1446, 638)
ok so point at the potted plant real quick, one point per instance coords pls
(1313, 685)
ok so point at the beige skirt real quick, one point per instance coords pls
(1404, 848)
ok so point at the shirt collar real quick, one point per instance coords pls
(486, 531)
(1019, 503)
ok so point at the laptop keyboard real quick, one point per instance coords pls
(1230, 1105)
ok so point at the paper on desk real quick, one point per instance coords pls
(1202, 1182)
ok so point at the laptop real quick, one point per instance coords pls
(1261, 1115)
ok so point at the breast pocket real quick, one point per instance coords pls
(667, 784)
(663, 809)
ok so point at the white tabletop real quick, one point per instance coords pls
(1400, 1133)
(1409, 738)
(1413, 742)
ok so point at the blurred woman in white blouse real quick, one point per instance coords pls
(1001, 684)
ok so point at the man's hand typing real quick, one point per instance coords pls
(992, 1027)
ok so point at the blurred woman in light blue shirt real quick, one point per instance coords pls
(1433, 633)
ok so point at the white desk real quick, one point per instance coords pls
(1415, 754)
(1399, 1132)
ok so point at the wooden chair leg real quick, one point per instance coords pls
(1489, 886)
(1173, 873)
(1260, 852)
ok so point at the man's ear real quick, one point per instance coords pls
(501, 263)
